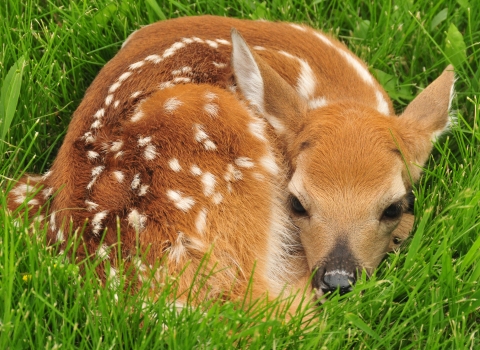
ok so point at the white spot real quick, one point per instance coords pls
(200, 134)
(154, 58)
(296, 26)
(53, 227)
(306, 80)
(176, 72)
(118, 154)
(102, 252)
(116, 146)
(187, 40)
(257, 129)
(232, 174)
(136, 94)
(108, 100)
(210, 96)
(114, 87)
(244, 162)
(143, 190)
(269, 164)
(60, 237)
(201, 221)
(174, 165)
(177, 250)
(258, 176)
(382, 105)
(223, 41)
(219, 65)
(116, 103)
(119, 176)
(324, 39)
(92, 155)
(46, 175)
(47, 192)
(137, 116)
(143, 141)
(97, 170)
(259, 48)
(286, 54)
(96, 124)
(137, 220)
(150, 152)
(172, 49)
(97, 222)
(88, 137)
(208, 181)
(136, 65)
(91, 205)
(195, 170)
(212, 44)
(165, 85)
(186, 69)
(95, 173)
(317, 102)
(182, 203)
(124, 76)
(211, 109)
(197, 40)
(171, 104)
(99, 114)
(181, 80)
(217, 198)
(209, 145)
(359, 68)
(136, 181)
(275, 123)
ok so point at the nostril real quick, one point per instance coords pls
(337, 279)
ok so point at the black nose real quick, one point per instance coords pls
(330, 281)
(333, 280)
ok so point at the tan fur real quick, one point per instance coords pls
(192, 149)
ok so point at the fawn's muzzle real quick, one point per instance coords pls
(330, 281)
(338, 271)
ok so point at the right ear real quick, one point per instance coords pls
(265, 90)
(426, 118)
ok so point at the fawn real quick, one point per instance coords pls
(274, 151)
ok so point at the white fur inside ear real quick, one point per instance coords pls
(247, 72)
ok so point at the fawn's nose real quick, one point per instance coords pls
(337, 279)
(331, 280)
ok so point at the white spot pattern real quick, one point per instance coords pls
(180, 202)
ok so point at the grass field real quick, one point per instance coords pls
(425, 297)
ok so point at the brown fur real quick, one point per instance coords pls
(193, 167)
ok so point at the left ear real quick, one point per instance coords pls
(265, 90)
(426, 118)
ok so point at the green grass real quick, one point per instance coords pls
(425, 297)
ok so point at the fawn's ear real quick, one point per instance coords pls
(426, 118)
(265, 90)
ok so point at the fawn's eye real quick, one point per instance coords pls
(297, 207)
(393, 211)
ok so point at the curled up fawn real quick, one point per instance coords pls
(269, 146)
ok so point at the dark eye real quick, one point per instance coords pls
(393, 211)
(297, 206)
(396, 240)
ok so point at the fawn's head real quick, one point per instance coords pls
(352, 168)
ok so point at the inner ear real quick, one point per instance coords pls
(265, 90)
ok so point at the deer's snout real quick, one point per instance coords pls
(331, 280)
(337, 271)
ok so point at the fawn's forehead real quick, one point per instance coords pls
(350, 151)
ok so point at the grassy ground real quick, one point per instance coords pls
(425, 297)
